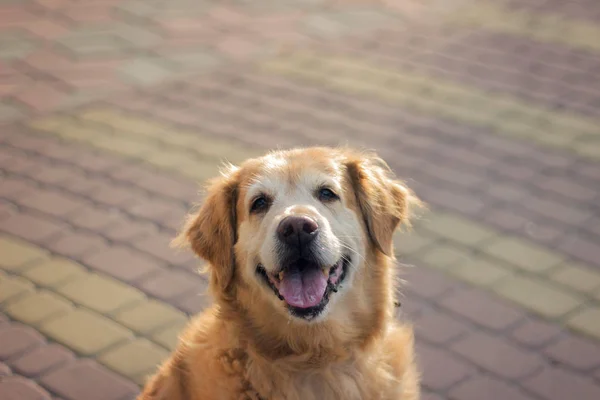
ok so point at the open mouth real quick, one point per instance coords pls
(305, 286)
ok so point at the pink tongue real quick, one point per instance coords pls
(303, 289)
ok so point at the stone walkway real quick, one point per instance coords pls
(114, 110)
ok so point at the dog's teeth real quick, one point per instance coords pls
(326, 272)
(280, 276)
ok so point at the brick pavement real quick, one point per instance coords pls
(115, 111)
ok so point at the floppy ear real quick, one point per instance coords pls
(212, 230)
(384, 202)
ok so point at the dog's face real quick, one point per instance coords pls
(294, 230)
(299, 236)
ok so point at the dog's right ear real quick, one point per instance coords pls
(212, 230)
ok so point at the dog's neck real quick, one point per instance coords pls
(299, 345)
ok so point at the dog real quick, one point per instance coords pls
(301, 267)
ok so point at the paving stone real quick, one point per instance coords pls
(149, 316)
(169, 337)
(557, 383)
(134, 358)
(95, 45)
(426, 395)
(41, 96)
(12, 287)
(6, 209)
(17, 339)
(497, 355)
(577, 277)
(199, 60)
(130, 173)
(113, 194)
(122, 122)
(193, 303)
(456, 202)
(102, 294)
(14, 387)
(159, 246)
(200, 170)
(34, 308)
(488, 387)
(15, 46)
(507, 192)
(480, 271)
(538, 296)
(583, 249)
(411, 242)
(367, 19)
(441, 368)
(565, 187)
(238, 48)
(4, 371)
(55, 175)
(554, 210)
(13, 188)
(156, 209)
(171, 186)
(324, 26)
(587, 321)
(145, 71)
(425, 282)
(575, 352)
(93, 218)
(85, 379)
(482, 309)
(439, 328)
(54, 271)
(41, 359)
(130, 229)
(458, 230)
(125, 146)
(47, 29)
(535, 333)
(526, 256)
(123, 263)
(84, 331)
(17, 254)
(136, 35)
(9, 112)
(181, 162)
(138, 8)
(76, 243)
(443, 256)
(171, 283)
(30, 227)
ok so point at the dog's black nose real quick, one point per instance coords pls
(297, 230)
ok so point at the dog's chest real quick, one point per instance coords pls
(348, 382)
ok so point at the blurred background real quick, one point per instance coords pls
(113, 111)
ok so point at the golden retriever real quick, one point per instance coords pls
(299, 248)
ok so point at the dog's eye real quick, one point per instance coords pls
(325, 195)
(259, 204)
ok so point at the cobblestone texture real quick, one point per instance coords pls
(113, 111)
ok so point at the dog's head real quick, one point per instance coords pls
(301, 233)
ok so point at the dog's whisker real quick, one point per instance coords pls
(345, 246)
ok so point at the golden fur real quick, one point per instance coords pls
(247, 346)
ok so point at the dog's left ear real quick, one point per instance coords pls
(212, 230)
(383, 201)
